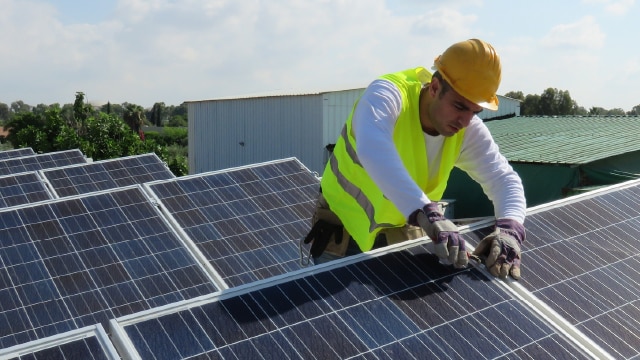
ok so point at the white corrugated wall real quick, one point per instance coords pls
(235, 132)
(507, 106)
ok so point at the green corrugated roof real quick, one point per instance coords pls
(565, 139)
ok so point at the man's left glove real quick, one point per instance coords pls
(500, 250)
(447, 242)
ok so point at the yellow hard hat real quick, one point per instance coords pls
(472, 68)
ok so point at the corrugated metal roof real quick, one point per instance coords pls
(277, 93)
(566, 139)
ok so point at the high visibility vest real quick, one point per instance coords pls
(354, 197)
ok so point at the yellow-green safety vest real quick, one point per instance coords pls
(354, 197)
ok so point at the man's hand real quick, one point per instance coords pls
(445, 236)
(500, 250)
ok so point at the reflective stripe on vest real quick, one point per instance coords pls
(351, 193)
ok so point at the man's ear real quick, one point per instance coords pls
(434, 86)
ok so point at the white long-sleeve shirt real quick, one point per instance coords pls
(373, 124)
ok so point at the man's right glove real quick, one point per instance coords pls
(447, 242)
(500, 250)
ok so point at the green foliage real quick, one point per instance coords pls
(551, 102)
(108, 137)
(134, 116)
(157, 114)
(22, 121)
(175, 135)
(99, 135)
(179, 166)
(4, 113)
(177, 121)
(635, 110)
(518, 95)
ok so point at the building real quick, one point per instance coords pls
(556, 157)
(230, 132)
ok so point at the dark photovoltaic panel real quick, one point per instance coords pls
(107, 174)
(22, 189)
(401, 305)
(86, 348)
(90, 343)
(41, 161)
(76, 262)
(582, 259)
(246, 221)
(7, 154)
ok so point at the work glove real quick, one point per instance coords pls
(500, 250)
(448, 245)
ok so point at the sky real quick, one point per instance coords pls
(148, 51)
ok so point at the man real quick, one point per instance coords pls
(391, 163)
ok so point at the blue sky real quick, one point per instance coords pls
(145, 51)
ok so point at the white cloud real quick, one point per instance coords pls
(444, 21)
(619, 7)
(143, 51)
(585, 34)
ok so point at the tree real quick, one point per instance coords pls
(635, 110)
(21, 121)
(4, 112)
(177, 121)
(81, 112)
(107, 137)
(157, 113)
(579, 110)
(597, 111)
(530, 105)
(19, 106)
(616, 112)
(134, 117)
(115, 109)
(518, 95)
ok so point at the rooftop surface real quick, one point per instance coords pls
(565, 139)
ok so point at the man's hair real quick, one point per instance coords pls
(445, 85)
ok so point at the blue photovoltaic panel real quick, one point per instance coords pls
(107, 174)
(401, 305)
(582, 260)
(7, 154)
(22, 189)
(41, 161)
(85, 348)
(246, 221)
(76, 262)
(89, 343)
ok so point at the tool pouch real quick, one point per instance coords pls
(403, 233)
(327, 233)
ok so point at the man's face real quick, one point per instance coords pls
(449, 112)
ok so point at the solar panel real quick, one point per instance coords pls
(582, 260)
(41, 161)
(107, 174)
(70, 263)
(245, 221)
(88, 343)
(399, 305)
(7, 154)
(22, 189)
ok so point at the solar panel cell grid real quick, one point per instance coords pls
(246, 221)
(41, 161)
(76, 262)
(7, 154)
(22, 189)
(107, 174)
(363, 310)
(581, 260)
